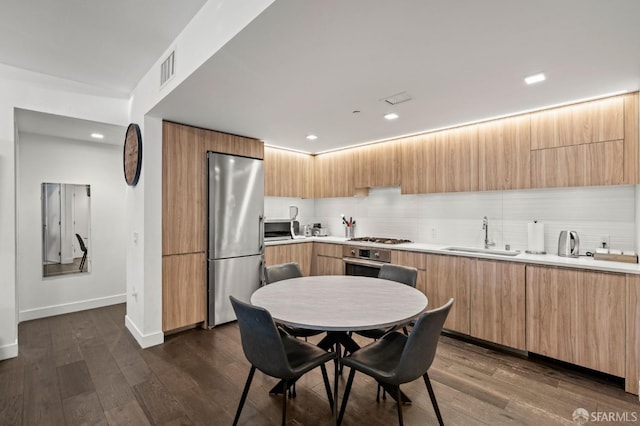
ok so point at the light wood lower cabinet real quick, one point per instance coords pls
(327, 259)
(578, 317)
(415, 260)
(184, 280)
(633, 334)
(299, 253)
(447, 277)
(497, 303)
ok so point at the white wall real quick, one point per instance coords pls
(50, 159)
(29, 90)
(215, 24)
(456, 218)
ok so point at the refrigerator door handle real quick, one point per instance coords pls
(261, 233)
(261, 274)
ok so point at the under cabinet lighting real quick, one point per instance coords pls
(536, 78)
(312, 137)
(97, 135)
(391, 116)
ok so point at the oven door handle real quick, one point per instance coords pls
(362, 262)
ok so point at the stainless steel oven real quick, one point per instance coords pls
(364, 261)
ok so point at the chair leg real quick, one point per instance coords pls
(399, 405)
(327, 387)
(243, 398)
(433, 398)
(284, 405)
(345, 397)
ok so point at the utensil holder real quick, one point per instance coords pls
(350, 231)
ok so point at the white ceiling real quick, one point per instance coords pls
(41, 123)
(109, 44)
(303, 66)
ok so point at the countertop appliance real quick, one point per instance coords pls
(236, 220)
(568, 244)
(280, 229)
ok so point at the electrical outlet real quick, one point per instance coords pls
(434, 233)
(605, 241)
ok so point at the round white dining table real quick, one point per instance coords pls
(340, 302)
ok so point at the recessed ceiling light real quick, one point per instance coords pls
(536, 78)
(391, 116)
(97, 135)
(312, 137)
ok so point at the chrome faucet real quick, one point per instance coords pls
(485, 226)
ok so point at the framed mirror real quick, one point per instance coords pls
(66, 225)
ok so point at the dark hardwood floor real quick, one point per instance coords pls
(85, 368)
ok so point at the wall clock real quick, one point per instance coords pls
(132, 154)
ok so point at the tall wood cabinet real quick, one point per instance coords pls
(287, 173)
(577, 316)
(184, 227)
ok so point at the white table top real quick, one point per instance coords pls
(340, 302)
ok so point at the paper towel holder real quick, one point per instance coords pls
(532, 251)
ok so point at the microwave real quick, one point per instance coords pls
(280, 229)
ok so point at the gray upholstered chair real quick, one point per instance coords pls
(402, 274)
(396, 359)
(276, 355)
(286, 271)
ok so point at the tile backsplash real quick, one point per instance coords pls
(456, 218)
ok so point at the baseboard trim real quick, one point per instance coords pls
(145, 341)
(83, 305)
(9, 351)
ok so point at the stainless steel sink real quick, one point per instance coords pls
(483, 251)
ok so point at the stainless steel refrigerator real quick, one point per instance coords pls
(236, 247)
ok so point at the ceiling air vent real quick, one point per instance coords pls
(397, 98)
(168, 68)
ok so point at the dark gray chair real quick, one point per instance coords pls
(276, 355)
(84, 251)
(402, 274)
(286, 271)
(396, 359)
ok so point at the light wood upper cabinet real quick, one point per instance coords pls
(184, 287)
(503, 154)
(230, 144)
(287, 173)
(376, 165)
(299, 253)
(631, 127)
(577, 316)
(333, 174)
(447, 277)
(418, 164)
(580, 165)
(183, 186)
(457, 159)
(497, 303)
(588, 122)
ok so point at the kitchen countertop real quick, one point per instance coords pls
(583, 262)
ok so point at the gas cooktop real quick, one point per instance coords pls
(380, 240)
